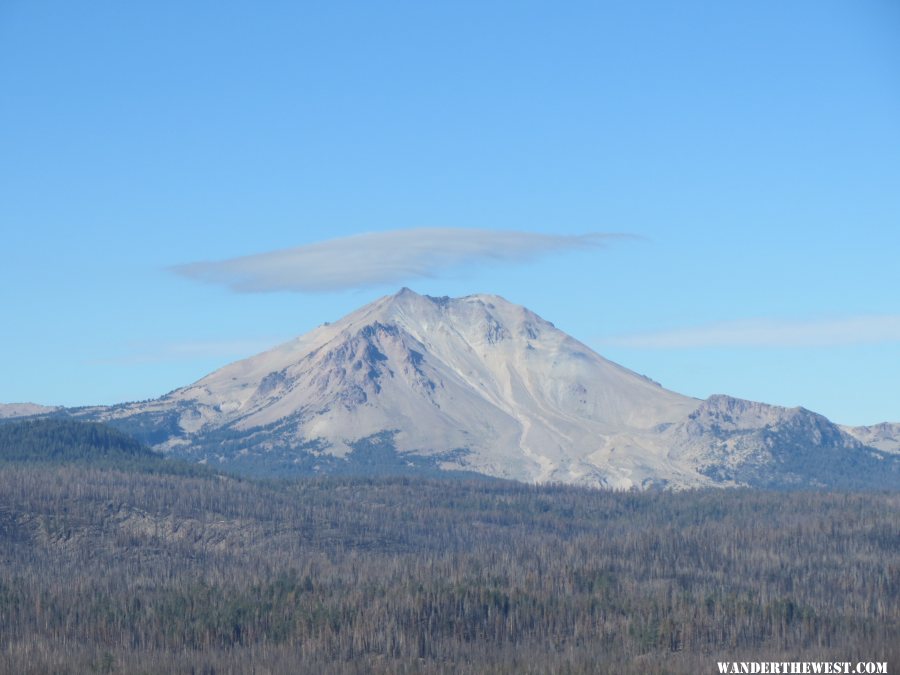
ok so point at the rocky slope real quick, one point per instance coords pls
(884, 436)
(740, 442)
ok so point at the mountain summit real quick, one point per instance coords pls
(473, 384)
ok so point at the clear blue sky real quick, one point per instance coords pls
(753, 147)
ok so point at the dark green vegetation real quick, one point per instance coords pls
(103, 570)
(57, 440)
(64, 441)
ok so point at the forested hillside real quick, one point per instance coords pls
(67, 441)
(111, 571)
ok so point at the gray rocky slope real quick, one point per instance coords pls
(480, 385)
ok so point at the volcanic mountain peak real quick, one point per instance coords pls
(483, 385)
(479, 320)
(478, 376)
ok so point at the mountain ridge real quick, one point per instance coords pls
(479, 384)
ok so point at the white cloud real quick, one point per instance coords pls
(853, 330)
(380, 258)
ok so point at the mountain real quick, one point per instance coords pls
(884, 436)
(479, 385)
(740, 442)
(9, 410)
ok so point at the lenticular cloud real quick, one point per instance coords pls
(380, 258)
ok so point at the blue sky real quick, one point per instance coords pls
(750, 148)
